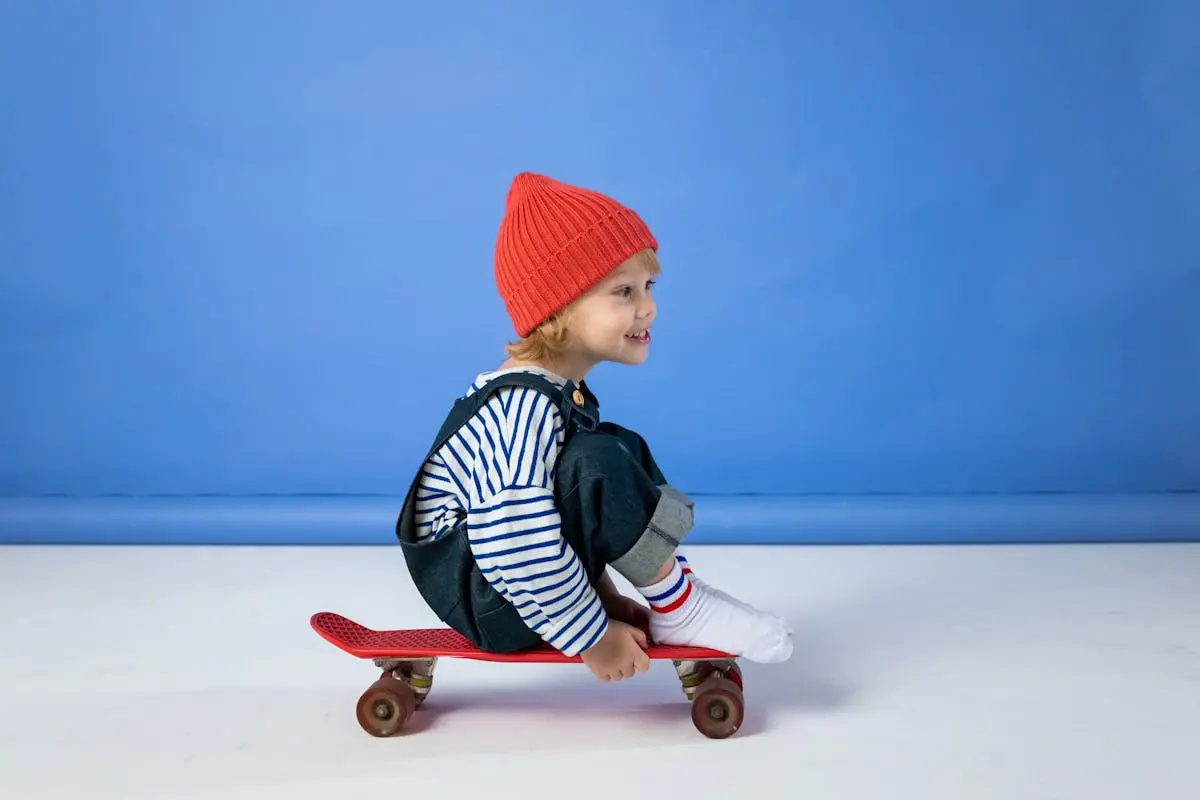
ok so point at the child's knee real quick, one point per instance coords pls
(628, 483)
(592, 455)
(636, 446)
(633, 519)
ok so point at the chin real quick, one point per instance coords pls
(633, 359)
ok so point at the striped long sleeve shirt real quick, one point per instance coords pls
(498, 472)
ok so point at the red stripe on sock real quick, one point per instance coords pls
(677, 602)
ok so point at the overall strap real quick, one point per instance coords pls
(577, 405)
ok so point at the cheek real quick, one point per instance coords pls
(601, 333)
(605, 323)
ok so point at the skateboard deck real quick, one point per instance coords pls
(711, 679)
(415, 643)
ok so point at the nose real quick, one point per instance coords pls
(647, 309)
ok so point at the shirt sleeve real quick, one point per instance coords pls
(515, 531)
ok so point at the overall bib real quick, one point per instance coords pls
(615, 505)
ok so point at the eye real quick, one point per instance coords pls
(650, 284)
(624, 291)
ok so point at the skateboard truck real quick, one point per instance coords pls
(417, 673)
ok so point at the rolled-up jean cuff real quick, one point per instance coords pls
(670, 523)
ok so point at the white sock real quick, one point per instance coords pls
(698, 581)
(686, 611)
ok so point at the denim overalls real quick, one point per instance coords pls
(616, 507)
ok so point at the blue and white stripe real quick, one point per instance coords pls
(497, 472)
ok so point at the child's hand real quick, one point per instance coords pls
(619, 654)
(625, 609)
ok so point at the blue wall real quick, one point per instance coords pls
(908, 248)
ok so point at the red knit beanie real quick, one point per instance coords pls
(556, 241)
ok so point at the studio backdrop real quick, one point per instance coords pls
(931, 271)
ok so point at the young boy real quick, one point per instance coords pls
(526, 498)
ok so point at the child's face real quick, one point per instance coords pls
(612, 321)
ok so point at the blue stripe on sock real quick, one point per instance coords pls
(673, 590)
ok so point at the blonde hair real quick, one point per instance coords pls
(544, 343)
(553, 337)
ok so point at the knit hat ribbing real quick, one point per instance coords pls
(555, 242)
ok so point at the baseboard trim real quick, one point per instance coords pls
(742, 520)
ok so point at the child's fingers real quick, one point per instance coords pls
(640, 637)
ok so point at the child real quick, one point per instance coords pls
(526, 498)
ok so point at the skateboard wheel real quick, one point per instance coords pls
(718, 710)
(385, 706)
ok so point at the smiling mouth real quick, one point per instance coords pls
(641, 337)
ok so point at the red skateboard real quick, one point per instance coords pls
(711, 680)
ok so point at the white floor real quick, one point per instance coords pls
(921, 672)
